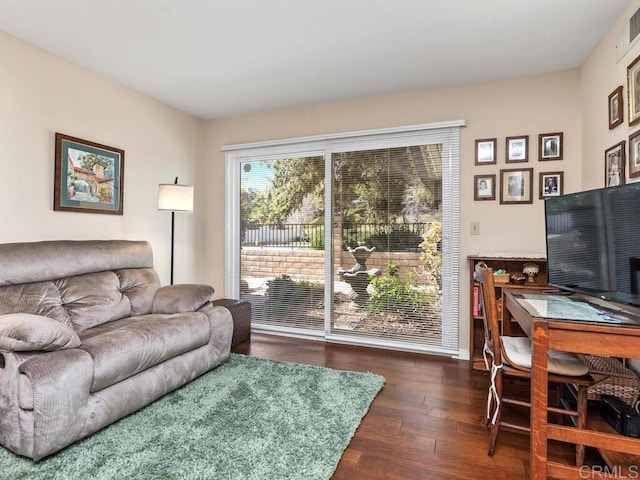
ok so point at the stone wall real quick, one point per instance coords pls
(306, 264)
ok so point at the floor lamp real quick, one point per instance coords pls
(174, 198)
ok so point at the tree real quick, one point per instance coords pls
(374, 186)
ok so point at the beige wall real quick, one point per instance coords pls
(523, 106)
(41, 94)
(600, 76)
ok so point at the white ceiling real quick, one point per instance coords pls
(217, 58)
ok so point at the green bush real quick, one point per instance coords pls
(315, 238)
(391, 295)
(285, 295)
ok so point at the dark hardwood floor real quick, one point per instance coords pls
(426, 421)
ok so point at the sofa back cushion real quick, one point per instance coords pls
(93, 299)
(78, 283)
(140, 286)
(40, 298)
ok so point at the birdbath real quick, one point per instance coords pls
(358, 275)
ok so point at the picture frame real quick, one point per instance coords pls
(486, 149)
(517, 149)
(550, 146)
(633, 91)
(614, 160)
(634, 154)
(515, 185)
(616, 108)
(89, 176)
(551, 184)
(484, 187)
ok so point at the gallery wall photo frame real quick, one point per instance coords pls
(614, 160)
(634, 154)
(616, 108)
(516, 185)
(517, 149)
(89, 176)
(550, 146)
(486, 151)
(633, 91)
(484, 187)
(551, 184)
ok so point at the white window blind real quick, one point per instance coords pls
(385, 188)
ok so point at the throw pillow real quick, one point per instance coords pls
(22, 332)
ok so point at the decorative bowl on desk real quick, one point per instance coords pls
(518, 278)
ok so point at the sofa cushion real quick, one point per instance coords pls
(40, 298)
(93, 299)
(125, 347)
(23, 332)
(139, 285)
(181, 298)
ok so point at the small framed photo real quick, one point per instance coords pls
(486, 151)
(614, 160)
(517, 149)
(634, 154)
(88, 176)
(484, 187)
(633, 91)
(550, 146)
(515, 185)
(551, 184)
(616, 108)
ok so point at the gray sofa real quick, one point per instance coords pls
(88, 336)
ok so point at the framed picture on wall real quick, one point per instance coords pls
(616, 103)
(484, 187)
(88, 176)
(515, 185)
(633, 91)
(517, 149)
(486, 151)
(634, 154)
(550, 146)
(551, 184)
(614, 160)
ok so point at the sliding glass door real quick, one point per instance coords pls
(353, 239)
(387, 234)
(282, 253)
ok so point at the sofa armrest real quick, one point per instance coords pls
(181, 298)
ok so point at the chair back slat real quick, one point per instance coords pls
(484, 277)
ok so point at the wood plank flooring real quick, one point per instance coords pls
(426, 421)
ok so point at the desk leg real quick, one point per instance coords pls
(539, 400)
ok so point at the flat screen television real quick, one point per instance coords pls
(593, 243)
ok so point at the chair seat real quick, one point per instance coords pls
(517, 352)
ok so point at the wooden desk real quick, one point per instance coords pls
(602, 339)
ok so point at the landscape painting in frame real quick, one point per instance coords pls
(88, 176)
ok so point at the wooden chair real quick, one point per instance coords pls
(510, 357)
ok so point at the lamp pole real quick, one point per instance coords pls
(173, 228)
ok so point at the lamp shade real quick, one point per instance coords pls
(175, 198)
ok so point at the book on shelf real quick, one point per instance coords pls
(476, 304)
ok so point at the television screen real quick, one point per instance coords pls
(593, 242)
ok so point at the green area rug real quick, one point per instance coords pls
(248, 419)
